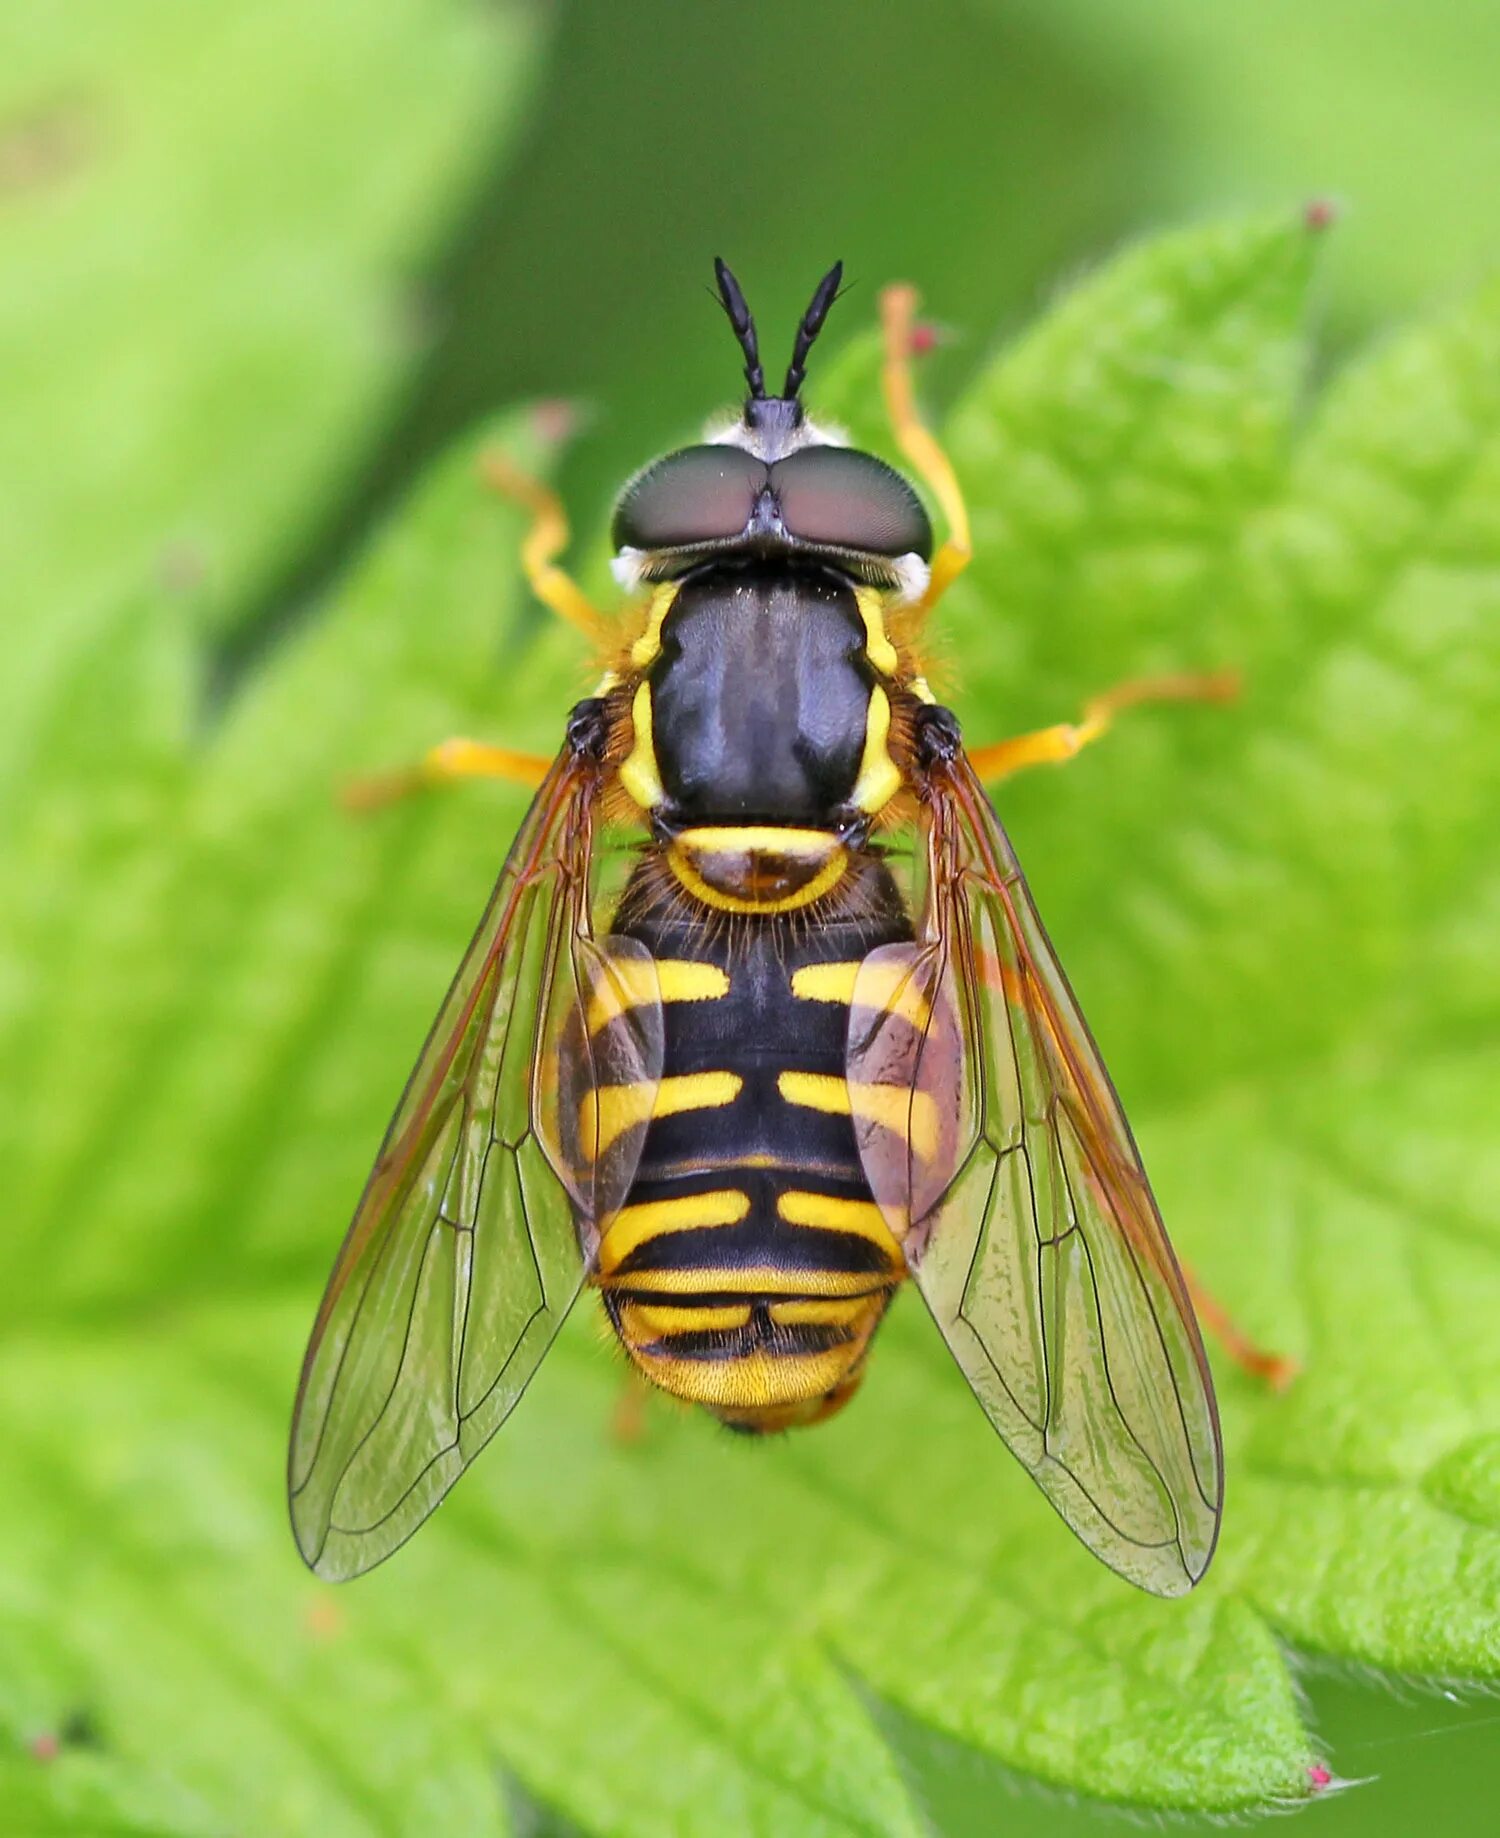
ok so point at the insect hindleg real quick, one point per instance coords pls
(627, 1422)
(897, 306)
(544, 542)
(1064, 740)
(1276, 1369)
(445, 764)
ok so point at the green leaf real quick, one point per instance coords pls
(216, 222)
(1278, 916)
(1340, 75)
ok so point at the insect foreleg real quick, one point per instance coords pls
(1064, 740)
(544, 542)
(917, 442)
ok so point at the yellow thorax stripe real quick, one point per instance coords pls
(879, 776)
(912, 1115)
(891, 986)
(639, 772)
(646, 649)
(632, 1226)
(630, 982)
(605, 1115)
(878, 647)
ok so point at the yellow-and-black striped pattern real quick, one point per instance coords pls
(750, 1266)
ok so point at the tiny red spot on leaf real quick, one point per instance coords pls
(555, 420)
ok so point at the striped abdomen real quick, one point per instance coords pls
(750, 1265)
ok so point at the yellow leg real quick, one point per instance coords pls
(544, 542)
(1050, 746)
(446, 763)
(897, 308)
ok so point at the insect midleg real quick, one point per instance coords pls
(1066, 739)
(543, 543)
(445, 764)
(1276, 1369)
(897, 306)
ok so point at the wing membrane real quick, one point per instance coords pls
(480, 1219)
(1029, 1224)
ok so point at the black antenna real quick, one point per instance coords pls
(812, 324)
(744, 327)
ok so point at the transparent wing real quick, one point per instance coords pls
(484, 1209)
(1007, 1164)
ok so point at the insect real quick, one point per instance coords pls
(759, 1024)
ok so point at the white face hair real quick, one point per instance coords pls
(768, 444)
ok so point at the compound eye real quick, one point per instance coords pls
(848, 500)
(696, 495)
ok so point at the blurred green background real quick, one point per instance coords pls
(505, 200)
(989, 148)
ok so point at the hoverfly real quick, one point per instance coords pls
(760, 1022)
